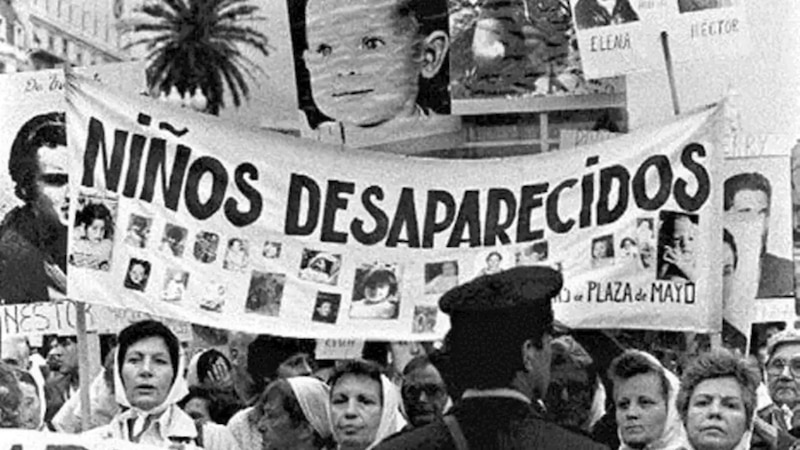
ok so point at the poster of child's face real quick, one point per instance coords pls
(265, 293)
(138, 231)
(237, 255)
(320, 267)
(677, 246)
(272, 250)
(424, 319)
(326, 308)
(440, 277)
(93, 232)
(531, 254)
(205, 247)
(174, 240)
(175, 282)
(602, 250)
(646, 241)
(358, 60)
(376, 292)
(137, 275)
(688, 6)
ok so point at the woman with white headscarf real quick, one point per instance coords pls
(645, 399)
(294, 415)
(148, 383)
(365, 406)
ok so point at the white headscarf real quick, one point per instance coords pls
(177, 391)
(392, 420)
(674, 435)
(314, 397)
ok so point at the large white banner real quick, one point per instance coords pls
(11, 439)
(182, 215)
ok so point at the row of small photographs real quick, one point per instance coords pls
(376, 294)
(238, 254)
(672, 256)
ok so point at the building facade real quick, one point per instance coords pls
(40, 34)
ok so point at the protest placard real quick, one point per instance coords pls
(15, 439)
(218, 224)
(622, 36)
(33, 194)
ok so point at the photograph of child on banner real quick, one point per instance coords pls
(265, 293)
(93, 233)
(376, 294)
(175, 286)
(174, 240)
(646, 241)
(676, 246)
(272, 250)
(424, 319)
(206, 244)
(33, 237)
(531, 255)
(138, 231)
(237, 255)
(214, 296)
(748, 198)
(685, 6)
(320, 267)
(326, 309)
(520, 48)
(491, 263)
(600, 13)
(369, 63)
(137, 275)
(441, 277)
(602, 251)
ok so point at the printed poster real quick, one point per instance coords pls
(622, 36)
(34, 198)
(214, 223)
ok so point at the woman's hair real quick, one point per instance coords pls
(25, 377)
(206, 361)
(635, 362)
(357, 367)
(95, 211)
(625, 240)
(719, 363)
(44, 130)
(378, 276)
(135, 332)
(727, 238)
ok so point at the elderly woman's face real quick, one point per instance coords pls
(147, 372)
(641, 409)
(356, 407)
(276, 426)
(716, 416)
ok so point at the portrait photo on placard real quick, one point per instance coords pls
(175, 283)
(206, 246)
(491, 262)
(138, 231)
(602, 250)
(320, 266)
(687, 6)
(376, 292)
(424, 319)
(237, 255)
(265, 293)
(440, 277)
(93, 237)
(173, 242)
(326, 307)
(677, 246)
(646, 241)
(370, 63)
(214, 296)
(601, 13)
(271, 250)
(137, 275)
(531, 254)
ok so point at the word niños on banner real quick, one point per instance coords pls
(510, 215)
(181, 180)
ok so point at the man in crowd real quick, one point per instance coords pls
(783, 382)
(33, 237)
(63, 384)
(424, 392)
(499, 357)
(747, 197)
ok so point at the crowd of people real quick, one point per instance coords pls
(506, 376)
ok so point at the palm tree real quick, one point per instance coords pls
(198, 44)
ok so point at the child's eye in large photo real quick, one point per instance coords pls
(372, 43)
(324, 50)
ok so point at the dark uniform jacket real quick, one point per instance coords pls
(493, 423)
